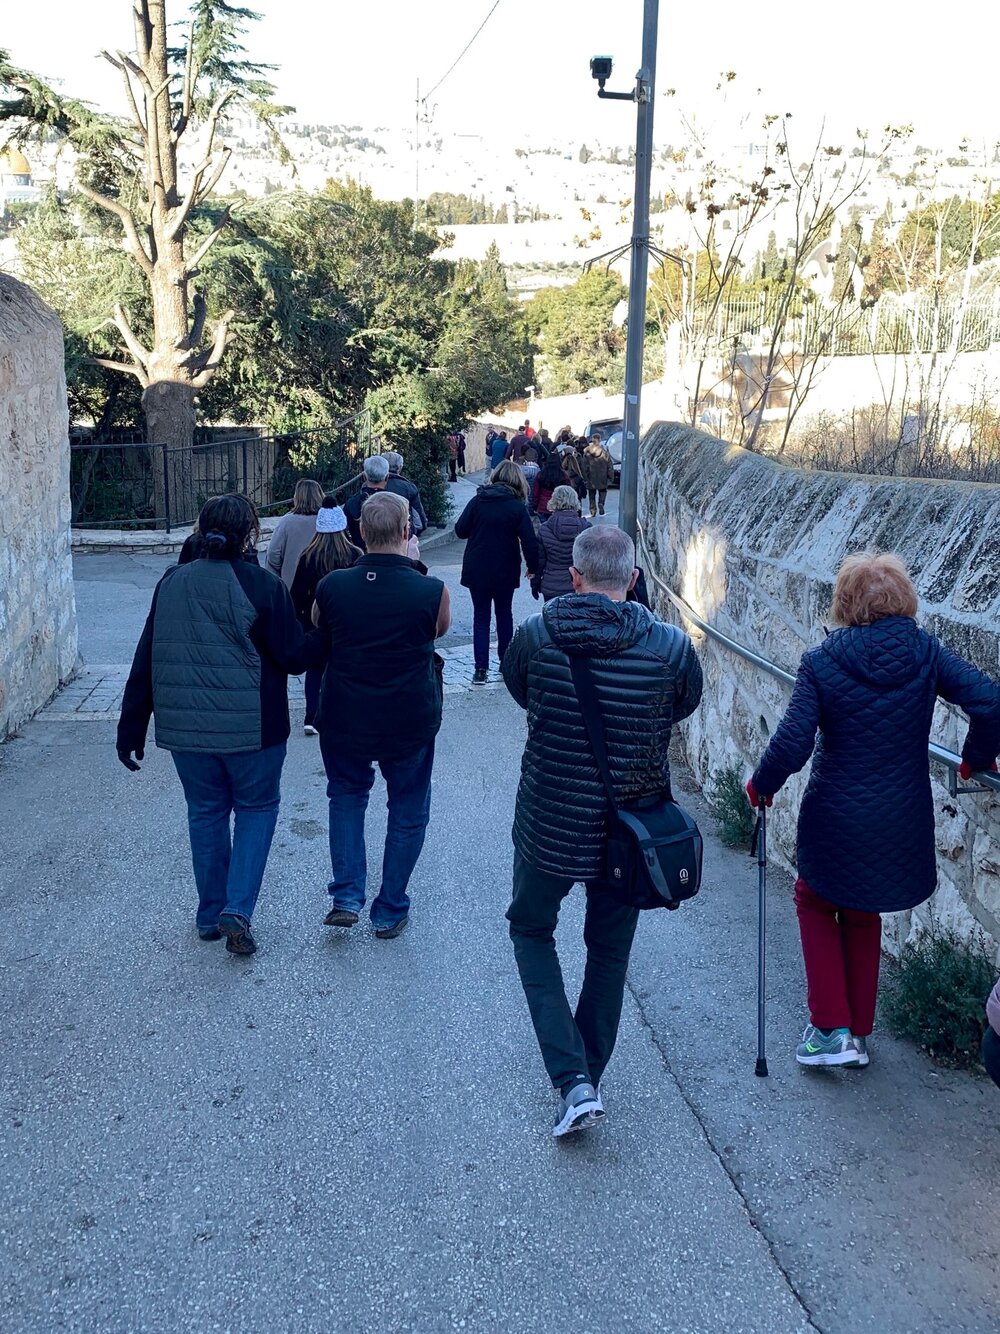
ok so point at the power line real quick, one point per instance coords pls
(463, 51)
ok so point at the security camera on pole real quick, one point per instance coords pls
(600, 68)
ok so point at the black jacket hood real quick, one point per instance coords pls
(592, 626)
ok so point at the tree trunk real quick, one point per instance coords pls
(170, 423)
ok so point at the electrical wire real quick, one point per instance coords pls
(463, 52)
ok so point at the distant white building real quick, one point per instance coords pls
(16, 182)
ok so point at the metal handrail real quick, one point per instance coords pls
(939, 754)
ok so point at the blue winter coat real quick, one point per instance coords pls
(866, 826)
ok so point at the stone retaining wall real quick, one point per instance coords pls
(754, 547)
(38, 644)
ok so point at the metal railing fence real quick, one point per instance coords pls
(130, 484)
(938, 754)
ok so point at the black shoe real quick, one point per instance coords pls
(391, 932)
(479, 676)
(236, 930)
(340, 917)
(209, 933)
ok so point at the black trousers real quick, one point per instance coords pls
(572, 1044)
(991, 1055)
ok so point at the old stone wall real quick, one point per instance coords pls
(754, 547)
(38, 644)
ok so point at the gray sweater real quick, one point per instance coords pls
(292, 534)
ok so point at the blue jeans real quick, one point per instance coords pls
(229, 867)
(349, 785)
(483, 602)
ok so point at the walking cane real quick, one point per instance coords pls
(758, 848)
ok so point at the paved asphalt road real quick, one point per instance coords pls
(352, 1135)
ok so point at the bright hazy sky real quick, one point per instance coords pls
(856, 62)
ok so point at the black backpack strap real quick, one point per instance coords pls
(590, 707)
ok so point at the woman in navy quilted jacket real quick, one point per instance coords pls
(866, 825)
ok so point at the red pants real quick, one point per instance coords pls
(842, 948)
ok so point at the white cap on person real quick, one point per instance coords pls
(330, 518)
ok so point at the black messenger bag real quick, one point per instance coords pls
(655, 848)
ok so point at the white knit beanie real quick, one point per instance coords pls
(332, 519)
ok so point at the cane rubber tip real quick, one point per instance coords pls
(760, 1070)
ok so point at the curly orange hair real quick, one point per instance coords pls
(872, 585)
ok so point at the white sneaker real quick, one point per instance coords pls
(310, 730)
(579, 1110)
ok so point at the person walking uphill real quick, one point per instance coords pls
(380, 704)
(294, 531)
(212, 669)
(498, 529)
(647, 678)
(598, 473)
(866, 824)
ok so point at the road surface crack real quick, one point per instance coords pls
(720, 1158)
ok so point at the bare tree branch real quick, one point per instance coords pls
(208, 362)
(187, 91)
(191, 268)
(139, 353)
(119, 63)
(198, 189)
(129, 368)
(128, 222)
(198, 320)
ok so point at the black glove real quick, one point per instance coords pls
(125, 755)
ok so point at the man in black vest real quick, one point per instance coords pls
(381, 704)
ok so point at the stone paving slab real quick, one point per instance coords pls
(96, 693)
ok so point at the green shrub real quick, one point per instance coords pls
(727, 802)
(936, 996)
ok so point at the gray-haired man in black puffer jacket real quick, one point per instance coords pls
(647, 678)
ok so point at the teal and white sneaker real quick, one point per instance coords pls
(861, 1044)
(822, 1047)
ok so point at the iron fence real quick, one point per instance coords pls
(893, 326)
(130, 484)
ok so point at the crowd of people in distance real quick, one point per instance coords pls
(577, 461)
(344, 599)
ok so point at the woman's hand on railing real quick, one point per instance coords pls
(755, 799)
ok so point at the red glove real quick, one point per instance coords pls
(756, 801)
(965, 770)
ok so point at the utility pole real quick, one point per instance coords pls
(635, 348)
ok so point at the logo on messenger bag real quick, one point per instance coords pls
(685, 875)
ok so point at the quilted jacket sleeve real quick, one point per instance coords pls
(978, 696)
(795, 736)
(515, 668)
